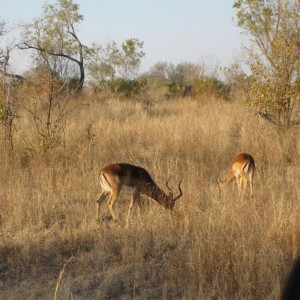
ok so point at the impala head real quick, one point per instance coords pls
(170, 197)
(220, 184)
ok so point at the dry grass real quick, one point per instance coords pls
(214, 247)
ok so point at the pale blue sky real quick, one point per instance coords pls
(172, 30)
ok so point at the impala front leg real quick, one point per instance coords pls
(111, 204)
(99, 201)
(135, 196)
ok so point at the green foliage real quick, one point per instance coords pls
(187, 79)
(130, 58)
(211, 85)
(110, 62)
(53, 30)
(198, 87)
(273, 57)
(54, 37)
(179, 78)
(179, 89)
(127, 87)
(104, 63)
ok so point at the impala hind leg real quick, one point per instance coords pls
(251, 183)
(99, 201)
(238, 182)
(244, 181)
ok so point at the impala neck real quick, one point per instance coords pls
(154, 192)
(230, 176)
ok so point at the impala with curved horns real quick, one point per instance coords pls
(113, 178)
(242, 166)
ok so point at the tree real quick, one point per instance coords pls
(111, 62)
(105, 62)
(48, 107)
(115, 69)
(188, 79)
(273, 56)
(54, 37)
(130, 59)
(5, 55)
(160, 72)
(9, 100)
(2, 32)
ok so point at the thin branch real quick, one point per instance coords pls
(16, 76)
(25, 46)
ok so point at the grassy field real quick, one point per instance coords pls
(214, 247)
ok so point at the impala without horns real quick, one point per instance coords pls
(113, 178)
(242, 166)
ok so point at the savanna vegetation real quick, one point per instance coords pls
(81, 108)
(214, 246)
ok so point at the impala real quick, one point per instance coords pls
(242, 166)
(113, 178)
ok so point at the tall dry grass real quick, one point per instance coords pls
(214, 247)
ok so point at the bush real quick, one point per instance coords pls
(177, 89)
(211, 85)
(127, 87)
(199, 87)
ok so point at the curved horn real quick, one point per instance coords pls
(180, 191)
(167, 185)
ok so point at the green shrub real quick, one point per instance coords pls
(127, 87)
(199, 87)
(178, 89)
(211, 85)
